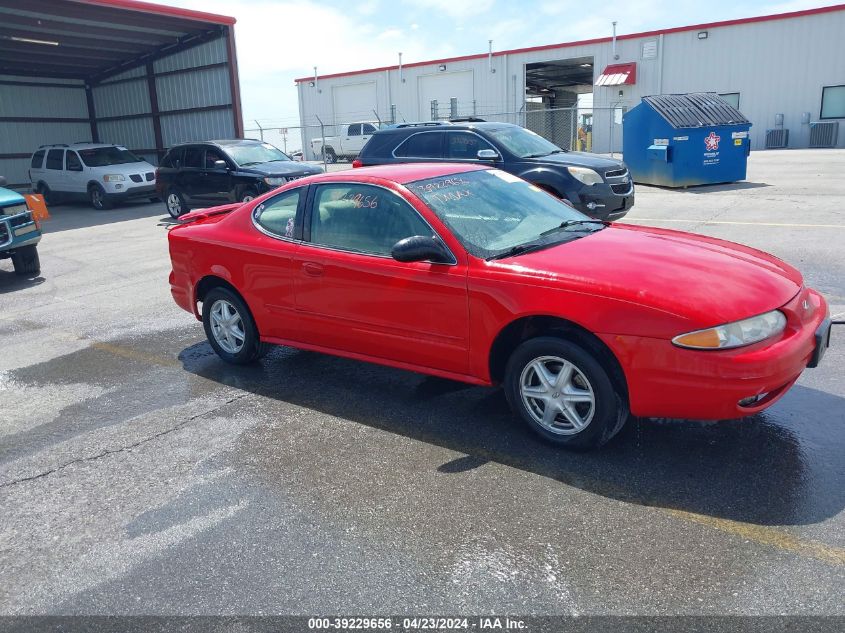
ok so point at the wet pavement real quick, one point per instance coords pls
(141, 474)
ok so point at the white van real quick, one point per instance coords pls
(104, 174)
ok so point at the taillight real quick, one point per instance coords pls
(357, 163)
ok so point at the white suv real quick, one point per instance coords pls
(103, 174)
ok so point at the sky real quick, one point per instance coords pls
(280, 41)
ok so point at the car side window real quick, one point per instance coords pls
(464, 145)
(421, 145)
(366, 129)
(169, 159)
(193, 157)
(55, 158)
(277, 215)
(362, 218)
(72, 162)
(37, 159)
(354, 130)
(211, 156)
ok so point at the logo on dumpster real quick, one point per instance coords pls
(712, 142)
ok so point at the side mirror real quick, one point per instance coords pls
(488, 154)
(420, 248)
(3, 181)
(220, 164)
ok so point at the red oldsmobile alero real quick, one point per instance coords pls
(472, 274)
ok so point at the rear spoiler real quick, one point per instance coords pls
(202, 214)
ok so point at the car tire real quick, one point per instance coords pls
(230, 328)
(26, 261)
(44, 191)
(175, 203)
(583, 413)
(329, 156)
(99, 198)
(247, 195)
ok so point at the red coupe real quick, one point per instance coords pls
(472, 274)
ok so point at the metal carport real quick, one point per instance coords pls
(120, 71)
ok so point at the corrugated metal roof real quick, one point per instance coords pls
(695, 109)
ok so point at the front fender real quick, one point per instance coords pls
(564, 184)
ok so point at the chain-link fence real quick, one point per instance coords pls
(586, 129)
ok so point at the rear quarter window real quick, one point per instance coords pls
(37, 159)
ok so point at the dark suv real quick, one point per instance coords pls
(596, 185)
(211, 173)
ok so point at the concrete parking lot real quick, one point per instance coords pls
(139, 474)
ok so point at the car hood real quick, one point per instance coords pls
(283, 168)
(704, 281)
(9, 197)
(126, 169)
(580, 159)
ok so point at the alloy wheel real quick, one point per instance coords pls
(227, 327)
(174, 205)
(557, 395)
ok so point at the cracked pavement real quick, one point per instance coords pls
(141, 475)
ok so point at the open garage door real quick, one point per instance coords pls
(354, 102)
(443, 87)
(134, 74)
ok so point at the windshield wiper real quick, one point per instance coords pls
(520, 249)
(255, 162)
(567, 223)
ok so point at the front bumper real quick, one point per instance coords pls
(665, 381)
(127, 190)
(17, 231)
(601, 202)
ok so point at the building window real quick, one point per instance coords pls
(732, 98)
(833, 102)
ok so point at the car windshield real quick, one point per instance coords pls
(495, 214)
(523, 143)
(255, 153)
(103, 156)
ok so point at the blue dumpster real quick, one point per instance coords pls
(684, 140)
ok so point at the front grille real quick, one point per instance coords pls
(136, 178)
(15, 209)
(289, 178)
(616, 173)
(150, 176)
(621, 189)
(20, 220)
(4, 233)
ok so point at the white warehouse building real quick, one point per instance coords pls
(785, 72)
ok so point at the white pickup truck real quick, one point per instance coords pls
(347, 146)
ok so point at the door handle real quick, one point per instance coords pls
(312, 270)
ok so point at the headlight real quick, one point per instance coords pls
(274, 182)
(585, 175)
(735, 334)
(113, 178)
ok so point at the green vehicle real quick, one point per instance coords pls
(19, 233)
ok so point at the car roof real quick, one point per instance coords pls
(429, 126)
(402, 173)
(78, 145)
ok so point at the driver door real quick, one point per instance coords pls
(351, 295)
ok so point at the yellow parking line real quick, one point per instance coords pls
(766, 536)
(808, 226)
